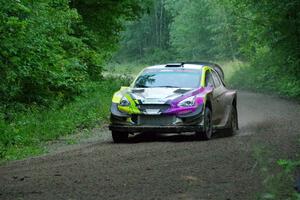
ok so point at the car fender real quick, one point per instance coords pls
(208, 96)
(230, 99)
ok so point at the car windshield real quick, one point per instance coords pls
(171, 78)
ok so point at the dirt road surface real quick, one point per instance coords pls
(162, 167)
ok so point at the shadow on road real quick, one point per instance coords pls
(186, 137)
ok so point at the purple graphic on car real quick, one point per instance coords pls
(199, 95)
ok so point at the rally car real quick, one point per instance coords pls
(175, 98)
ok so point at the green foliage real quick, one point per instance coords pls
(147, 39)
(266, 76)
(270, 42)
(277, 183)
(105, 19)
(47, 52)
(201, 30)
(27, 131)
(288, 165)
(130, 69)
(180, 30)
(38, 52)
(51, 58)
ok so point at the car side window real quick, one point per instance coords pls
(216, 79)
(209, 79)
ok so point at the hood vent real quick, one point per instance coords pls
(138, 90)
(175, 65)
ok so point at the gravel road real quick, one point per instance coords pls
(162, 167)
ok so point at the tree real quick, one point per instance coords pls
(147, 37)
(48, 50)
(202, 30)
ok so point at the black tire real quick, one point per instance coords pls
(233, 123)
(119, 137)
(207, 131)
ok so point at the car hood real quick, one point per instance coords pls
(157, 95)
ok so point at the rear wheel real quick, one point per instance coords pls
(233, 123)
(119, 137)
(207, 130)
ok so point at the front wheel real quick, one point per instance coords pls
(207, 131)
(119, 137)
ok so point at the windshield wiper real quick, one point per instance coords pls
(141, 86)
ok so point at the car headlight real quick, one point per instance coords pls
(188, 102)
(124, 101)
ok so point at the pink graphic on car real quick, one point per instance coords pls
(199, 94)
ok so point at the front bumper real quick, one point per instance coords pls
(155, 129)
(123, 122)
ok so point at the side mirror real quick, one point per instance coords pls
(210, 85)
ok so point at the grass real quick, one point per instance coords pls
(131, 69)
(277, 175)
(27, 133)
(265, 80)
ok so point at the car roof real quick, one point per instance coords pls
(191, 65)
(175, 65)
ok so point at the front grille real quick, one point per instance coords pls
(155, 120)
(161, 107)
